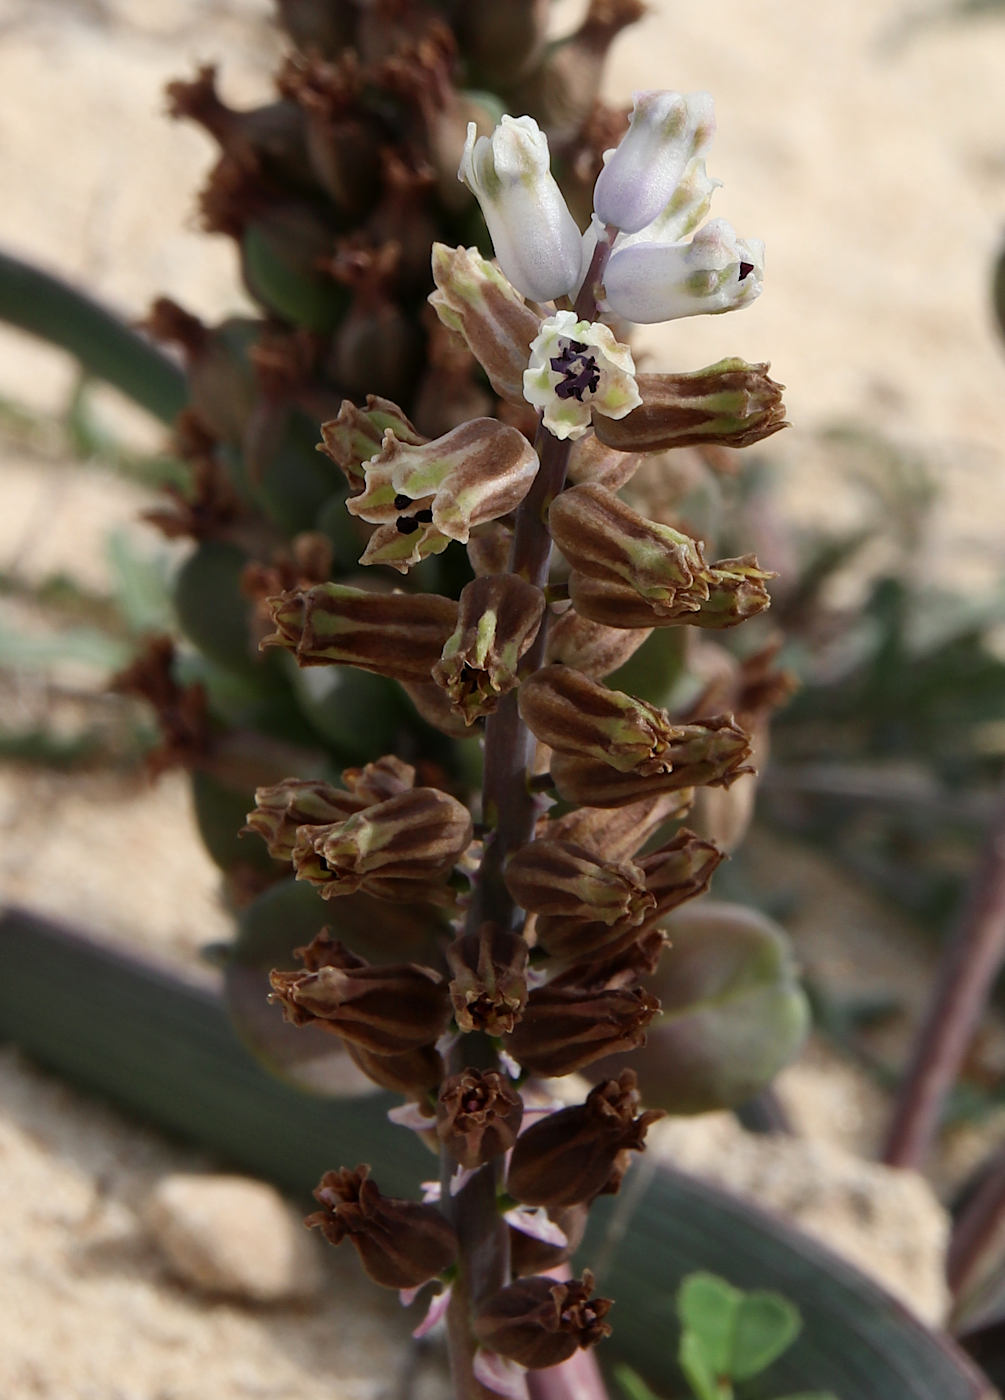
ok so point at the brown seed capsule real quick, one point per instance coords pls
(497, 621)
(355, 435)
(279, 810)
(478, 1116)
(576, 715)
(399, 635)
(414, 1072)
(711, 753)
(591, 647)
(475, 301)
(617, 835)
(489, 987)
(562, 879)
(390, 1010)
(563, 1029)
(402, 849)
(401, 1244)
(540, 1322)
(730, 403)
(570, 1155)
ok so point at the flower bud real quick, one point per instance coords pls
(665, 132)
(591, 647)
(478, 1116)
(570, 1155)
(563, 1029)
(540, 1322)
(489, 987)
(401, 1244)
(355, 434)
(474, 300)
(535, 238)
(708, 754)
(402, 849)
(384, 777)
(400, 635)
(592, 460)
(678, 871)
(715, 272)
(577, 367)
(296, 802)
(390, 1010)
(577, 715)
(560, 879)
(498, 619)
(731, 403)
(422, 497)
(683, 212)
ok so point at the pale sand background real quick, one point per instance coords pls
(877, 180)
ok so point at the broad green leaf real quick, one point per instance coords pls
(707, 1307)
(701, 1376)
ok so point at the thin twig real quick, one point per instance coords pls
(969, 965)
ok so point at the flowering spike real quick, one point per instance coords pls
(535, 238)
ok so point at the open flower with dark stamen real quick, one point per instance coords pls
(399, 635)
(497, 621)
(577, 367)
(401, 1244)
(540, 1322)
(422, 497)
(402, 849)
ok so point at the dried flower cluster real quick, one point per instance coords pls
(546, 920)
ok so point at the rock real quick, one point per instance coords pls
(888, 1222)
(233, 1236)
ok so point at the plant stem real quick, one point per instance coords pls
(105, 345)
(969, 964)
(509, 812)
(977, 1235)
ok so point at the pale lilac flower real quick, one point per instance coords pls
(500, 1376)
(536, 1222)
(666, 131)
(536, 239)
(715, 272)
(576, 366)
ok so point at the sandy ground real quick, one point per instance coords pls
(876, 175)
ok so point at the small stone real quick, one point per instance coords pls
(233, 1236)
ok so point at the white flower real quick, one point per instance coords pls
(536, 239)
(665, 132)
(576, 366)
(715, 272)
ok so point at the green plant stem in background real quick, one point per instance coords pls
(969, 965)
(106, 347)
